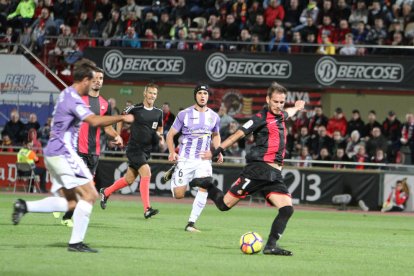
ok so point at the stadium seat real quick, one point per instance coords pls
(343, 200)
(25, 177)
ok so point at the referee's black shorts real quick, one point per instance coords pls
(137, 157)
(259, 177)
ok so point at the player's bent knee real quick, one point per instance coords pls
(286, 211)
(179, 192)
(202, 182)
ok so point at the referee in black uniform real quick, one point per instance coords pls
(263, 172)
(146, 130)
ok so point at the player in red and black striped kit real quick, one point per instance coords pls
(146, 130)
(263, 172)
(89, 137)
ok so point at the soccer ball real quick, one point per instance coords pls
(251, 243)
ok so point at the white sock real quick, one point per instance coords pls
(198, 205)
(48, 205)
(80, 221)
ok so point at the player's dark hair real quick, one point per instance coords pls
(84, 68)
(99, 70)
(276, 88)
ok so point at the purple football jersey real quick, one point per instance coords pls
(69, 111)
(196, 129)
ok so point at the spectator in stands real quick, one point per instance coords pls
(42, 26)
(341, 32)
(372, 122)
(338, 142)
(355, 123)
(225, 120)
(309, 28)
(164, 27)
(377, 35)
(377, 11)
(212, 22)
(113, 30)
(360, 33)
(32, 122)
(273, 11)
(397, 200)
(6, 144)
(60, 12)
(244, 38)
(131, 39)
(391, 129)
(349, 49)
(230, 30)
(340, 156)
(327, 47)
(319, 141)
(342, 11)
(83, 24)
(407, 15)
(360, 157)
(299, 120)
(260, 28)
(256, 46)
(33, 142)
(149, 22)
(337, 122)
(14, 127)
(8, 38)
(297, 39)
(317, 119)
(327, 28)
(25, 39)
(278, 41)
(239, 11)
(380, 157)
(130, 7)
(377, 141)
(216, 42)
(304, 157)
(179, 24)
(303, 138)
(131, 20)
(352, 146)
(105, 7)
(255, 9)
(292, 14)
(310, 40)
(181, 10)
(150, 39)
(23, 15)
(27, 155)
(44, 132)
(65, 45)
(235, 151)
(312, 11)
(97, 26)
(326, 10)
(397, 40)
(324, 155)
(396, 27)
(407, 134)
(360, 14)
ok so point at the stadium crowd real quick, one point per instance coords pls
(326, 26)
(312, 136)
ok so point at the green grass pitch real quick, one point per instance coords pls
(323, 242)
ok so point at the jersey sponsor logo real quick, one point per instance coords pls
(102, 107)
(328, 71)
(154, 125)
(116, 63)
(219, 66)
(248, 124)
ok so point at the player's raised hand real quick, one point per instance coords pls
(300, 104)
(220, 158)
(118, 141)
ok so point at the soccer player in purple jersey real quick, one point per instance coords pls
(70, 176)
(200, 127)
(263, 172)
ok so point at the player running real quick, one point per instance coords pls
(199, 126)
(263, 171)
(89, 146)
(69, 174)
(146, 127)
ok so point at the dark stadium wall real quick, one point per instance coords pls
(182, 96)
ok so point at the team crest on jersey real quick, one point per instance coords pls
(102, 107)
(180, 180)
(210, 120)
(154, 125)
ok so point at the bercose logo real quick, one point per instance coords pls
(219, 67)
(115, 63)
(328, 71)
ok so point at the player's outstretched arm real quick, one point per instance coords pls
(117, 139)
(225, 144)
(102, 121)
(299, 105)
